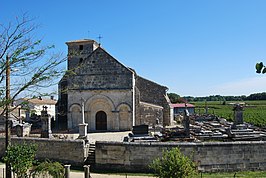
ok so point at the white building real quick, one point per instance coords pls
(36, 105)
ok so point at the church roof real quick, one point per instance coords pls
(166, 88)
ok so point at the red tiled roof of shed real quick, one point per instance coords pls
(182, 105)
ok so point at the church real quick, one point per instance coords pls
(108, 96)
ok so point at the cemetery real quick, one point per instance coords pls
(208, 127)
(202, 137)
(201, 128)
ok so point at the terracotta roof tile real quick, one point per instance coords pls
(41, 101)
(182, 105)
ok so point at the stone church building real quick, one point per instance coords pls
(107, 95)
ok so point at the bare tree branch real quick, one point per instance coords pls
(32, 68)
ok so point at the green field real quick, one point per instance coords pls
(254, 111)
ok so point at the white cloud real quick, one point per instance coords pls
(243, 87)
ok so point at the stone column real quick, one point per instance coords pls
(83, 110)
(69, 120)
(83, 127)
(67, 171)
(186, 122)
(87, 171)
(116, 121)
(46, 124)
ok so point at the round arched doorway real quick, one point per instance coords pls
(101, 120)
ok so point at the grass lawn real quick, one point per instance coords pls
(249, 174)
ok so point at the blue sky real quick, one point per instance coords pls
(194, 47)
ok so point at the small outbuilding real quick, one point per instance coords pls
(180, 107)
(35, 105)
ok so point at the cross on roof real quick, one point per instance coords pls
(99, 39)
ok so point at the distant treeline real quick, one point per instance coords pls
(255, 96)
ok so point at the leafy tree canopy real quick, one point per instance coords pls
(251, 97)
(260, 68)
(173, 97)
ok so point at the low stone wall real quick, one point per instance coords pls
(71, 152)
(210, 157)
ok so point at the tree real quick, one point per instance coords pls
(173, 97)
(21, 158)
(260, 68)
(32, 65)
(173, 164)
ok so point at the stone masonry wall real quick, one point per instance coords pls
(150, 92)
(100, 71)
(153, 93)
(75, 54)
(65, 151)
(150, 113)
(210, 157)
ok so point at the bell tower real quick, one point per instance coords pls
(78, 50)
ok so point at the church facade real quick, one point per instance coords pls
(105, 94)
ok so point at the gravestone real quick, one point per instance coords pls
(238, 114)
(23, 130)
(140, 130)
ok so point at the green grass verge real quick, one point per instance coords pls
(247, 174)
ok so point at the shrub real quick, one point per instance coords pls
(173, 164)
(54, 169)
(20, 157)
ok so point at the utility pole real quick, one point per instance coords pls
(8, 129)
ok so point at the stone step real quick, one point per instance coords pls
(92, 149)
(92, 146)
(91, 155)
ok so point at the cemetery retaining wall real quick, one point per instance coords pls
(209, 156)
(71, 152)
